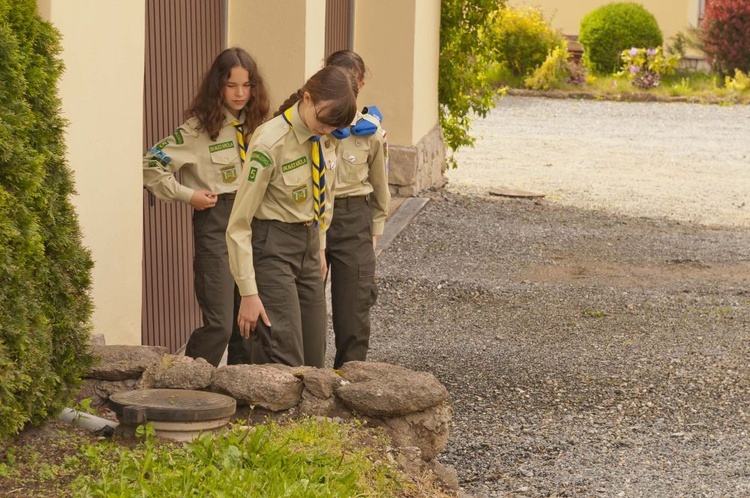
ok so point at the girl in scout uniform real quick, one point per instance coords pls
(277, 227)
(209, 149)
(361, 208)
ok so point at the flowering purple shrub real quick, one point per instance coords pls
(645, 67)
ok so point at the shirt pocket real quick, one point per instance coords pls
(353, 167)
(297, 175)
(298, 182)
(227, 166)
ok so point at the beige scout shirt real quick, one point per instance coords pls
(362, 171)
(276, 185)
(206, 164)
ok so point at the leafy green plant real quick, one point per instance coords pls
(608, 30)
(310, 457)
(740, 82)
(557, 70)
(466, 53)
(45, 272)
(645, 67)
(523, 39)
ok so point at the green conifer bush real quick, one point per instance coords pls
(45, 272)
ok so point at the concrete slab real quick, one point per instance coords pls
(399, 219)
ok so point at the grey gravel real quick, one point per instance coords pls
(588, 350)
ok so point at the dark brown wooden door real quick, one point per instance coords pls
(338, 25)
(182, 39)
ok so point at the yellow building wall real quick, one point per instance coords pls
(287, 40)
(399, 42)
(102, 98)
(673, 16)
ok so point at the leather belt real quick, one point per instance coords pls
(352, 200)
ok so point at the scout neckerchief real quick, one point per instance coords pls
(240, 139)
(318, 173)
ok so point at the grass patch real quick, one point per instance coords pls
(309, 457)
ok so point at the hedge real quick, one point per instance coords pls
(608, 30)
(45, 272)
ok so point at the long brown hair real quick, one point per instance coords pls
(350, 60)
(334, 86)
(208, 102)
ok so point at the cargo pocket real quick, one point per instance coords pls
(367, 288)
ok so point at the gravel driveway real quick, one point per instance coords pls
(595, 342)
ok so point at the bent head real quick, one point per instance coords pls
(352, 62)
(232, 78)
(329, 100)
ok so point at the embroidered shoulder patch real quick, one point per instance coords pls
(161, 145)
(260, 158)
(292, 165)
(253, 174)
(178, 138)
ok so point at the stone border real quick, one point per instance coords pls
(410, 407)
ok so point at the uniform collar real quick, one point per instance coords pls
(229, 117)
(300, 129)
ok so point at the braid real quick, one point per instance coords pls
(293, 99)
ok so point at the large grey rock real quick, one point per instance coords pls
(264, 386)
(178, 372)
(328, 407)
(383, 390)
(124, 362)
(321, 382)
(427, 430)
(99, 391)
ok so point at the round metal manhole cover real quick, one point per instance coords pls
(171, 405)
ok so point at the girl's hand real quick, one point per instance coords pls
(250, 309)
(323, 264)
(203, 199)
(375, 241)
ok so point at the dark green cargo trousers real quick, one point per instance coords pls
(286, 258)
(217, 294)
(351, 259)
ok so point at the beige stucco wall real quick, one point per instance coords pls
(288, 41)
(102, 98)
(286, 38)
(673, 16)
(399, 42)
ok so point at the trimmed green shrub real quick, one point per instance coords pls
(524, 39)
(44, 270)
(725, 33)
(608, 30)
